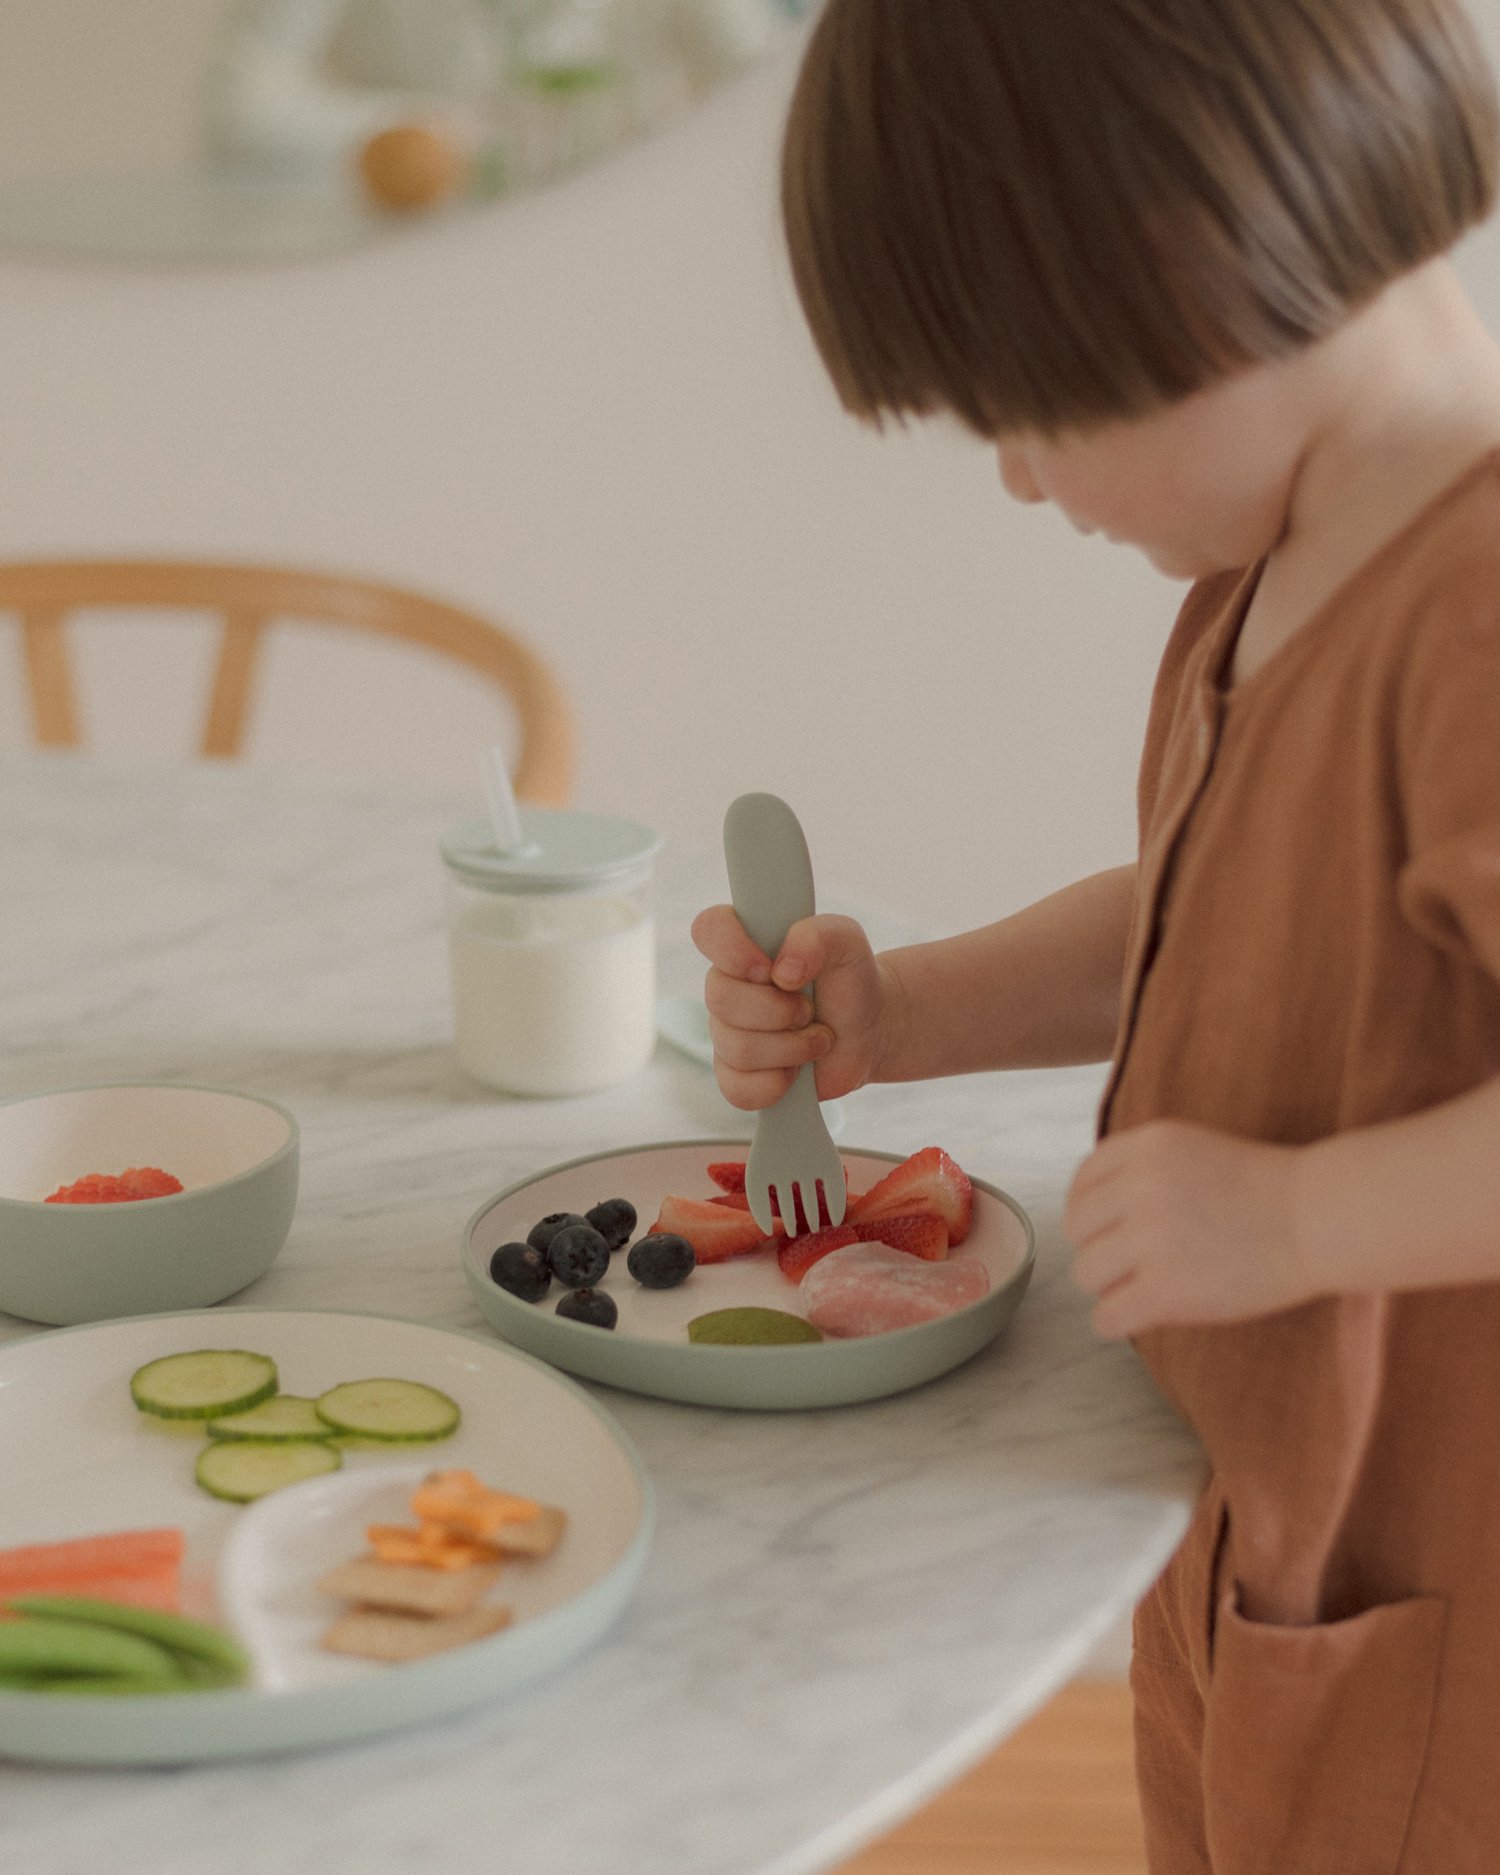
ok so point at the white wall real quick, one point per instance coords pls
(87, 85)
(595, 412)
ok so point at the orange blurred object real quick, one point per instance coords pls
(412, 166)
(458, 1519)
(392, 1543)
(139, 1567)
(457, 1501)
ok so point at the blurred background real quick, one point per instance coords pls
(488, 299)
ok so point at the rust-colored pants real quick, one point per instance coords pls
(1269, 1750)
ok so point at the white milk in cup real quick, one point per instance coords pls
(553, 951)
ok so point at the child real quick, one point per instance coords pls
(1182, 263)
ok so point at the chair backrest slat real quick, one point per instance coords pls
(54, 710)
(44, 592)
(229, 703)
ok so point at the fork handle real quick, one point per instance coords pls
(770, 868)
(803, 1092)
(771, 884)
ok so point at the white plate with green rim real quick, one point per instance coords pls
(80, 1460)
(648, 1350)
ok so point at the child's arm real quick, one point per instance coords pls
(1038, 989)
(1409, 1204)
(1177, 1223)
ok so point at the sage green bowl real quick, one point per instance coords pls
(649, 1350)
(236, 1155)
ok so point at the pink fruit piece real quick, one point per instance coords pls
(728, 1174)
(716, 1232)
(869, 1289)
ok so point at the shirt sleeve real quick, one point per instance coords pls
(1448, 734)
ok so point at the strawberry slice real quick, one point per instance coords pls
(740, 1201)
(796, 1255)
(919, 1233)
(716, 1232)
(929, 1181)
(728, 1174)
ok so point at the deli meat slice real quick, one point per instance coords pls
(869, 1288)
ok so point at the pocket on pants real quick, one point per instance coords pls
(1315, 1737)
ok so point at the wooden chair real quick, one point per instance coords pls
(249, 599)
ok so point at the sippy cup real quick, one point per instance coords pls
(553, 950)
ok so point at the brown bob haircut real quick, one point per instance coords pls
(1047, 214)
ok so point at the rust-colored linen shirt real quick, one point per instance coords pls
(1316, 946)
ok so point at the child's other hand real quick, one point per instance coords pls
(1178, 1224)
(764, 1028)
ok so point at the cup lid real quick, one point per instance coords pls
(563, 851)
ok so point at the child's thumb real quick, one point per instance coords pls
(816, 945)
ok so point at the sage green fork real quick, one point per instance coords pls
(771, 884)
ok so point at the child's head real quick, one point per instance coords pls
(1051, 216)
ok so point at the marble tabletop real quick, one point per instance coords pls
(842, 1609)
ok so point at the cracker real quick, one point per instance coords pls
(390, 1635)
(413, 1587)
(537, 1536)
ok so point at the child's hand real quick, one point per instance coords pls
(1176, 1223)
(764, 1028)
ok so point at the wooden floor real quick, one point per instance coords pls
(1057, 1798)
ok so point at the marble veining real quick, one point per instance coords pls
(842, 1609)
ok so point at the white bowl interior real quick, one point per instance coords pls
(200, 1135)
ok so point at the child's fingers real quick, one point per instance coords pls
(815, 945)
(1104, 1264)
(751, 1092)
(740, 1005)
(1097, 1199)
(751, 1050)
(722, 939)
(1091, 1212)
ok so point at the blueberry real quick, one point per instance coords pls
(614, 1220)
(522, 1270)
(540, 1235)
(578, 1256)
(662, 1261)
(589, 1305)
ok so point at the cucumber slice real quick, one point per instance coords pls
(393, 1411)
(193, 1644)
(208, 1384)
(287, 1416)
(241, 1470)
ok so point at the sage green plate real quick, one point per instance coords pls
(648, 1350)
(79, 1460)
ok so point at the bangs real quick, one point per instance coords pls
(1049, 214)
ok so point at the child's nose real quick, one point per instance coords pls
(1015, 473)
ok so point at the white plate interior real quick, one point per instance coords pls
(80, 1460)
(201, 1135)
(997, 1237)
